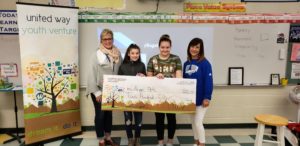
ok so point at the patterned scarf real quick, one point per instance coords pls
(113, 54)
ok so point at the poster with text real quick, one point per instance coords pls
(294, 33)
(295, 72)
(295, 55)
(49, 66)
(149, 94)
(8, 22)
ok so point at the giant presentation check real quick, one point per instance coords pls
(148, 94)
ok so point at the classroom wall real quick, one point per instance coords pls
(176, 6)
(229, 104)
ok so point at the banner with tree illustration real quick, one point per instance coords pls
(149, 94)
(49, 65)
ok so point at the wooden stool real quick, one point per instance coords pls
(270, 120)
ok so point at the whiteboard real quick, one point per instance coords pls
(252, 46)
(145, 35)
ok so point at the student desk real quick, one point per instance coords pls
(14, 90)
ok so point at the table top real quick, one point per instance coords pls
(13, 88)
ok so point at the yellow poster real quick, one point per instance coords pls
(112, 4)
(214, 7)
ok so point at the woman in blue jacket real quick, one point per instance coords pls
(133, 66)
(198, 67)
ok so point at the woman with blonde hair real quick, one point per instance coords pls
(105, 61)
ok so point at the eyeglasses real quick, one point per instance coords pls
(106, 39)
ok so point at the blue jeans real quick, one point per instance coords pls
(129, 126)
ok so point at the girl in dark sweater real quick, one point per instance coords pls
(133, 66)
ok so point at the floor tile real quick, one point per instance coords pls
(212, 145)
(89, 142)
(265, 137)
(73, 142)
(243, 139)
(4, 138)
(230, 144)
(186, 144)
(148, 140)
(124, 141)
(13, 143)
(269, 144)
(117, 140)
(185, 139)
(247, 144)
(225, 139)
(210, 140)
(237, 137)
(175, 140)
(55, 143)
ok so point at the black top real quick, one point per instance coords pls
(132, 68)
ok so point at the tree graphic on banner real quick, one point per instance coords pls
(52, 81)
(113, 96)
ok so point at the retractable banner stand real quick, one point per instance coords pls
(49, 57)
